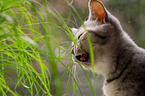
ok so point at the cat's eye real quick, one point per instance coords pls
(102, 37)
(80, 36)
(98, 35)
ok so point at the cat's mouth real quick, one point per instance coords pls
(83, 57)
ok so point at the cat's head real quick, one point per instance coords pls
(104, 31)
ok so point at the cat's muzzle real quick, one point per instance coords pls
(83, 57)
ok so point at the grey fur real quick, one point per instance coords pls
(117, 57)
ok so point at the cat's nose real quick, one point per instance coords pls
(82, 57)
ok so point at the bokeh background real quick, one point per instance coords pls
(131, 14)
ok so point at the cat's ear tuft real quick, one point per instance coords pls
(97, 11)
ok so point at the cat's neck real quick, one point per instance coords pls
(121, 57)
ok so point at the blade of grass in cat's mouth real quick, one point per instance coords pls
(83, 57)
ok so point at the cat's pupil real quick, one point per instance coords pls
(79, 36)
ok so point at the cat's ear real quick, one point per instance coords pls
(97, 11)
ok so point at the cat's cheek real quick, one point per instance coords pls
(85, 46)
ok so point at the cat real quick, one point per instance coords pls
(116, 56)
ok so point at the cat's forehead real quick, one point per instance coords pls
(91, 23)
(88, 25)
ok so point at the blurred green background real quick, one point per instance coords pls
(35, 45)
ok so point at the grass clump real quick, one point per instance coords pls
(34, 41)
